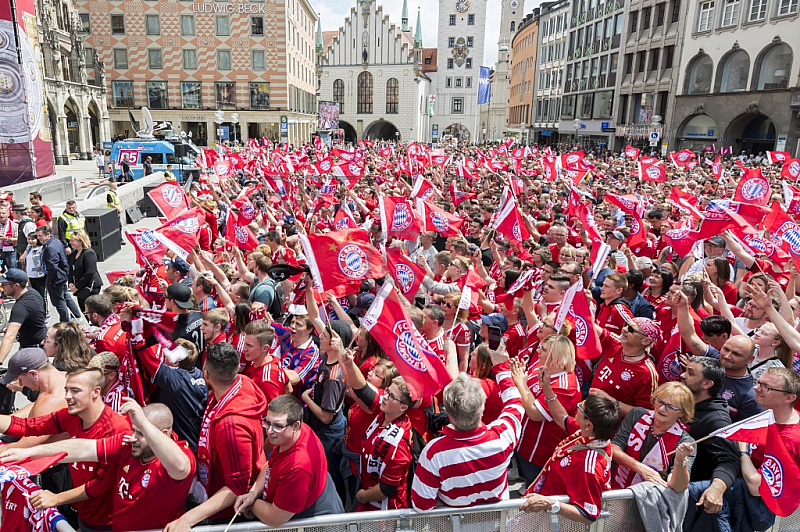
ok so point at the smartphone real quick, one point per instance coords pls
(495, 337)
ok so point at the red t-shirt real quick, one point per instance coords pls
(515, 339)
(613, 317)
(112, 338)
(540, 438)
(48, 213)
(270, 378)
(94, 512)
(631, 383)
(146, 497)
(301, 473)
(494, 403)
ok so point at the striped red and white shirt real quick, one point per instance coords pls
(465, 468)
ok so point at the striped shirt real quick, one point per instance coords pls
(304, 359)
(462, 469)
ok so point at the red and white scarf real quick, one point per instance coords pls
(657, 457)
(203, 444)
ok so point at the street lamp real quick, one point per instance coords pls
(577, 125)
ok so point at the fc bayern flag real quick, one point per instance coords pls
(791, 199)
(239, 235)
(681, 238)
(147, 245)
(548, 165)
(407, 275)
(435, 219)
(423, 189)
(791, 169)
(181, 233)
(780, 476)
(170, 199)
(348, 174)
(398, 217)
(784, 232)
(652, 172)
(390, 325)
(247, 213)
(682, 157)
(751, 430)
(509, 223)
(628, 203)
(344, 218)
(775, 157)
(631, 152)
(753, 187)
(341, 257)
(459, 196)
(587, 343)
(19, 469)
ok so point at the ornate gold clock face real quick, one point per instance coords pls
(462, 6)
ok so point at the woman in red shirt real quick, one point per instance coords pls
(480, 367)
(656, 293)
(719, 271)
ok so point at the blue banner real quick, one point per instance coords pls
(484, 88)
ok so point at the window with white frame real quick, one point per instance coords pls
(730, 13)
(758, 10)
(787, 7)
(706, 16)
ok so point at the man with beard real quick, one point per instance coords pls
(152, 478)
(717, 463)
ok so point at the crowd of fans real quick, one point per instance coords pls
(255, 397)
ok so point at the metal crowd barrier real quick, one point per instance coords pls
(620, 514)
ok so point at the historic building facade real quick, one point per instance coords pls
(378, 74)
(185, 60)
(552, 20)
(737, 83)
(523, 77)
(74, 82)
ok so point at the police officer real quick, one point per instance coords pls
(69, 222)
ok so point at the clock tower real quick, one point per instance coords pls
(461, 31)
(513, 11)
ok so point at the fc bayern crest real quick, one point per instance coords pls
(789, 232)
(670, 367)
(405, 345)
(325, 165)
(794, 169)
(241, 235)
(653, 172)
(581, 330)
(683, 156)
(353, 261)
(404, 276)
(636, 227)
(754, 188)
(171, 195)
(678, 232)
(147, 240)
(626, 203)
(6, 475)
(548, 172)
(427, 194)
(354, 169)
(440, 221)
(189, 226)
(247, 211)
(772, 471)
(630, 153)
(516, 232)
(401, 217)
(572, 159)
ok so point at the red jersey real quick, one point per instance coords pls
(112, 338)
(539, 438)
(494, 403)
(385, 456)
(357, 423)
(632, 383)
(146, 497)
(95, 512)
(790, 434)
(270, 378)
(460, 335)
(514, 338)
(613, 317)
(583, 475)
(18, 513)
(301, 472)
(437, 345)
(206, 237)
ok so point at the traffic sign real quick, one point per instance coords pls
(284, 123)
(654, 136)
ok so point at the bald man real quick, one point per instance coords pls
(150, 481)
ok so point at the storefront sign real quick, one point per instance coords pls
(193, 118)
(230, 8)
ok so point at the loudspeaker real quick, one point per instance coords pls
(181, 150)
(107, 246)
(133, 214)
(101, 222)
(146, 205)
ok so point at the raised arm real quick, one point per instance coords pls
(737, 249)
(686, 325)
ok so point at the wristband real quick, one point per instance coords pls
(743, 453)
(554, 398)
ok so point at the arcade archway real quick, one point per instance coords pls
(752, 133)
(457, 131)
(349, 132)
(381, 130)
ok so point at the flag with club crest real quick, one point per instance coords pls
(341, 257)
(631, 152)
(652, 171)
(509, 223)
(753, 187)
(170, 198)
(791, 169)
(239, 235)
(775, 157)
(407, 275)
(146, 244)
(388, 322)
(181, 234)
(398, 217)
(436, 219)
(423, 189)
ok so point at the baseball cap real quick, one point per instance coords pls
(181, 295)
(363, 302)
(14, 275)
(23, 361)
(178, 264)
(616, 234)
(496, 320)
(717, 241)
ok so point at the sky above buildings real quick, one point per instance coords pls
(333, 13)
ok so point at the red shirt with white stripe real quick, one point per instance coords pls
(113, 398)
(632, 383)
(465, 468)
(270, 378)
(582, 475)
(460, 335)
(540, 438)
(613, 317)
(514, 338)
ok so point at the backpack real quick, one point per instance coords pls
(276, 307)
(416, 443)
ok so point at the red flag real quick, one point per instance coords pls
(791, 199)
(239, 235)
(211, 157)
(631, 152)
(169, 198)
(147, 245)
(685, 202)
(247, 212)
(390, 325)
(181, 234)
(112, 276)
(435, 219)
(459, 196)
(778, 156)
(589, 225)
(637, 234)
(754, 429)
(348, 173)
(324, 166)
(572, 158)
(628, 203)
(753, 187)
(398, 217)
(576, 176)
(652, 172)
(785, 232)
(780, 476)
(27, 468)
(344, 218)
(423, 189)
(407, 275)
(681, 238)
(509, 223)
(548, 164)
(587, 343)
(716, 167)
(791, 169)
(711, 148)
(682, 157)
(222, 168)
(719, 218)
(341, 257)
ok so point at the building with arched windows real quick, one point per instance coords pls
(378, 74)
(737, 83)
